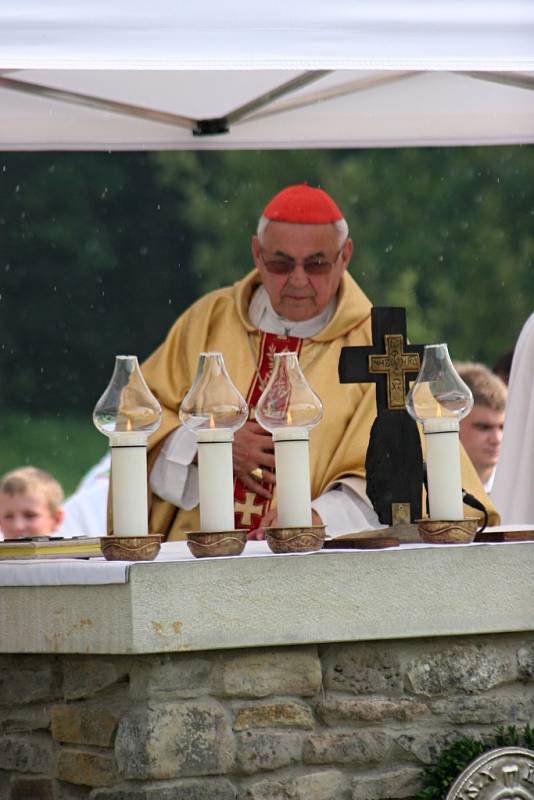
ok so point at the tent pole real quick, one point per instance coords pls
(518, 79)
(99, 103)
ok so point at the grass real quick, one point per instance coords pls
(66, 446)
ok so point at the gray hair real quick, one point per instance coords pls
(340, 226)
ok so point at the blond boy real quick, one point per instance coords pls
(30, 503)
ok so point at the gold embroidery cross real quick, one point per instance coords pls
(395, 363)
(248, 508)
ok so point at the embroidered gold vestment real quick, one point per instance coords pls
(219, 322)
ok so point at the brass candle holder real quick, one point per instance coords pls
(216, 543)
(295, 539)
(439, 531)
(130, 548)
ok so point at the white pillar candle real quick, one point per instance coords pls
(215, 479)
(443, 469)
(129, 484)
(293, 492)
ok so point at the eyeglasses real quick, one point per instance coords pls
(311, 266)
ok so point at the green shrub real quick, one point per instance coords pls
(438, 778)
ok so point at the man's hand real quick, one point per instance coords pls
(253, 449)
(270, 520)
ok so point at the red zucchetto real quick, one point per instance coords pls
(304, 205)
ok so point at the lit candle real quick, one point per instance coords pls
(289, 408)
(129, 483)
(439, 399)
(293, 492)
(443, 469)
(215, 479)
(127, 413)
(213, 409)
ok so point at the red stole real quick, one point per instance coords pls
(250, 507)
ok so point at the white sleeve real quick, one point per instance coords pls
(174, 478)
(86, 511)
(344, 510)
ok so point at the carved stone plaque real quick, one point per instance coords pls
(506, 773)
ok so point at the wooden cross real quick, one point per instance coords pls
(394, 462)
(248, 508)
(390, 370)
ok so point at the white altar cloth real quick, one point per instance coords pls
(178, 603)
(78, 571)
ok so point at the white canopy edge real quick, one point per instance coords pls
(124, 75)
(296, 35)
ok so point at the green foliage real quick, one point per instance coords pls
(453, 760)
(446, 232)
(66, 446)
(91, 256)
(100, 252)
(509, 736)
(438, 778)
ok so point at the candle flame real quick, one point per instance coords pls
(212, 421)
(128, 424)
(289, 417)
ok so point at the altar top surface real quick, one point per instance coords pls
(178, 603)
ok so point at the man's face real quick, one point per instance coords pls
(299, 294)
(27, 514)
(481, 435)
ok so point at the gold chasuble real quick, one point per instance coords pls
(219, 322)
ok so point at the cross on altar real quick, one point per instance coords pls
(248, 508)
(390, 370)
(394, 462)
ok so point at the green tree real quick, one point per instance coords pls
(100, 252)
(94, 262)
(446, 232)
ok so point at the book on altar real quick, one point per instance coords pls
(50, 547)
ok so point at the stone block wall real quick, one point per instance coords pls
(355, 721)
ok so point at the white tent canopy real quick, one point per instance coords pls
(125, 75)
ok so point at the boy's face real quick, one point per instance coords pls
(481, 435)
(27, 514)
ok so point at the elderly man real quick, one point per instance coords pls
(299, 297)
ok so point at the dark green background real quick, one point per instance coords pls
(99, 252)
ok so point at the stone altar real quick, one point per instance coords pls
(329, 676)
